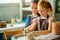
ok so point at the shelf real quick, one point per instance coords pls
(26, 9)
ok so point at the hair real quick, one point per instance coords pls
(35, 1)
(45, 4)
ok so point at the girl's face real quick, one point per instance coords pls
(42, 11)
(34, 8)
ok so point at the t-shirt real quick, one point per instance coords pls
(29, 19)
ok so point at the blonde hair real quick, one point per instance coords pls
(45, 4)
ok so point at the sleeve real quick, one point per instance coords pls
(28, 20)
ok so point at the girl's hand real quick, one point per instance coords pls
(34, 20)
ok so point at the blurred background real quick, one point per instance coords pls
(19, 9)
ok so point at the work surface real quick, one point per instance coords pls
(14, 26)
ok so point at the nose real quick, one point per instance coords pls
(40, 12)
(33, 9)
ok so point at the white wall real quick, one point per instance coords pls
(9, 10)
(9, 1)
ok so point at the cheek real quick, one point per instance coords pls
(42, 13)
(45, 12)
(36, 10)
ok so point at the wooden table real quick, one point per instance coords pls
(15, 26)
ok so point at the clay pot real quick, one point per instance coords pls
(56, 28)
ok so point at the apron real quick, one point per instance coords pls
(43, 24)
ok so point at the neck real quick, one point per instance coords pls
(44, 16)
(34, 14)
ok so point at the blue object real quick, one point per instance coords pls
(1, 36)
(24, 20)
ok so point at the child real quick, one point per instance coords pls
(35, 14)
(44, 8)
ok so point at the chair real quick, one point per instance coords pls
(10, 33)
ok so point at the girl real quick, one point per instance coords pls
(44, 8)
(35, 14)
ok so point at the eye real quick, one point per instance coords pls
(35, 8)
(32, 7)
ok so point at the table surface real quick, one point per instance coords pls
(19, 38)
(42, 37)
(26, 9)
(15, 26)
(49, 36)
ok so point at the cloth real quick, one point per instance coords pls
(43, 23)
(29, 19)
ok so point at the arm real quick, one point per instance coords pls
(28, 20)
(49, 28)
(37, 33)
(32, 27)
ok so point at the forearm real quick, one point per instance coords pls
(42, 32)
(28, 27)
(37, 33)
(18, 35)
(32, 27)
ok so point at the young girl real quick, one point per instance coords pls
(35, 14)
(44, 8)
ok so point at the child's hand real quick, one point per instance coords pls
(34, 20)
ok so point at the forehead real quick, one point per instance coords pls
(41, 8)
(33, 5)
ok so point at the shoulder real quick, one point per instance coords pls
(29, 16)
(52, 19)
(37, 18)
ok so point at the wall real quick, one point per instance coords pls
(9, 10)
(57, 10)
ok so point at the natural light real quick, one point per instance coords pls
(27, 0)
(9, 1)
(12, 1)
